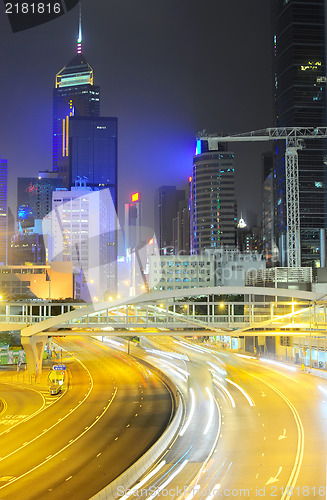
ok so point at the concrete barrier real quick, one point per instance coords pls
(128, 478)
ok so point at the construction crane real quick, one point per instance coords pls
(294, 137)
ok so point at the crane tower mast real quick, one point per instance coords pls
(294, 137)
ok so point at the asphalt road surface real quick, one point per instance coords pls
(268, 439)
(112, 412)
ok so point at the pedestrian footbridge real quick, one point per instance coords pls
(216, 310)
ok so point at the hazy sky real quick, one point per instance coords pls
(166, 68)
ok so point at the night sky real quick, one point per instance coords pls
(166, 68)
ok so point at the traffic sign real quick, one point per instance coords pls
(59, 367)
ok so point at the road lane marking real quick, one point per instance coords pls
(62, 449)
(55, 424)
(282, 436)
(275, 479)
(300, 443)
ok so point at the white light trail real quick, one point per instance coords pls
(226, 391)
(212, 411)
(281, 365)
(248, 398)
(170, 478)
(195, 491)
(188, 421)
(214, 492)
(245, 356)
(139, 485)
(112, 342)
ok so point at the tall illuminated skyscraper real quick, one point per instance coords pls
(299, 62)
(3, 211)
(74, 95)
(212, 200)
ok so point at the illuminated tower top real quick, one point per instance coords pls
(77, 71)
(79, 40)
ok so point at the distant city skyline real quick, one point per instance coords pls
(166, 70)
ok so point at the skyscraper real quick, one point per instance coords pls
(36, 193)
(166, 203)
(82, 234)
(133, 222)
(74, 95)
(299, 60)
(212, 199)
(93, 152)
(3, 211)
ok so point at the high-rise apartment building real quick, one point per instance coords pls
(299, 60)
(82, 233)
(74, 95)
(213, 209)
(166, 204)
(3, 211)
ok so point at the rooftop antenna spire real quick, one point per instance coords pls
(79, 40)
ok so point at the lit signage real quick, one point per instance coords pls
(198, 147)
(135, 197)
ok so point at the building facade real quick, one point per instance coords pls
(93, 152)
(74, 95)
(299, 61)
(213, 208)
(35, 193)
(166, 204)
(82, 233)
(3, 211)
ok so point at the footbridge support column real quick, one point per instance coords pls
(34, 349)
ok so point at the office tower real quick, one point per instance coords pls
(82, 233)
(3, 211)
(212, 199)
(133, 244)
(181, 227)
(133, 222)
(93, 152)
(74, 95)
(35, 193)
(268, 242)
(299, 61)
(166, 203)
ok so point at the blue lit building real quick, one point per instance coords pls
(213, 210)
(3, 211)
(74, 95)
(93, 152)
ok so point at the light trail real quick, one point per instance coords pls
(139, 485)
(226, 391)
(188, 421)
(170, 478)
(212, 410)
(248, 398)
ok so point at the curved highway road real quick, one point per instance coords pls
(271, 430)
(112, 412)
